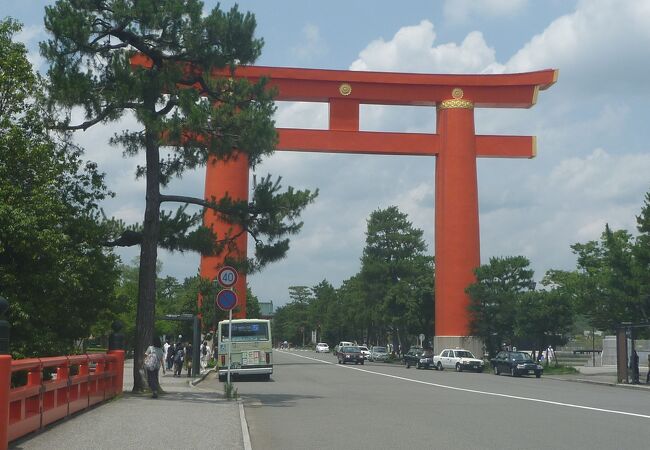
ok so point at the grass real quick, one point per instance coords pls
(230, 391)
(559, 370)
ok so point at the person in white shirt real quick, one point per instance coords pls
(205, 353)
(166, 354)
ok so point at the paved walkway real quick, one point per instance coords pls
(601, 375)
(184, 417)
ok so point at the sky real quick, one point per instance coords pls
(593, 157)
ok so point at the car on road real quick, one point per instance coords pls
(322, 347)
(378, 353)
(421, 358)
(349, 354)
(458, 359)
(516, 364)
(364, 351)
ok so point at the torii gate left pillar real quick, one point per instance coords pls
(455, 146)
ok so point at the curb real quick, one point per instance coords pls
(244, 426)
(201, 377)
(602, 383)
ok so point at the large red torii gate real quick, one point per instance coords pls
(455, 146)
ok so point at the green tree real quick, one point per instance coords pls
(179, 104)
(54, 270)
(252, 305)
(606, 288)
(397, 277)
(300, 294)
(323, 303)
(495, 297)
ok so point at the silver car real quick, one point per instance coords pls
(378, 353)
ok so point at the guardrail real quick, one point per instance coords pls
(76, 383)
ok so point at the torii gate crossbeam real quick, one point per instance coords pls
(455, 146)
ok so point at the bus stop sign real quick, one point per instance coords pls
(226, 299)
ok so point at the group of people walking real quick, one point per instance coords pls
(176, 357)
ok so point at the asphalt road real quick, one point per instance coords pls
(314, 403)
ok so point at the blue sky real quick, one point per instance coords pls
(593, 160)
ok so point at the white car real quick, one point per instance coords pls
(458, 359)
(364, 351)
(322, 347)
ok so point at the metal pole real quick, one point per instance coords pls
(229, 342)
(593, 347)
(196, 343)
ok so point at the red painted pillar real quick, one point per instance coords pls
(5, 385)
(118, 381)
(457, 228)
(227, 177)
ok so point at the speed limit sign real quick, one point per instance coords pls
(227, 276)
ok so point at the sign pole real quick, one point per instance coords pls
(229, 342)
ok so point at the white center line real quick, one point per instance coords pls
(474, 391)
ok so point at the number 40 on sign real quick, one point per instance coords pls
(227, 276)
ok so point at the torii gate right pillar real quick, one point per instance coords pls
(457, 241)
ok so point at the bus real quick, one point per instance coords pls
(251, 349)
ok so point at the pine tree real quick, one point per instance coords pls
(179, 104)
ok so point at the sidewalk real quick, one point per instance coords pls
(185, 416)
(600, 375)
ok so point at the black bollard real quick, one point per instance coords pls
(4, 327)
(116, 339)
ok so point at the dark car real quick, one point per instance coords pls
(421, 358)
(516, 364)
(349, 355)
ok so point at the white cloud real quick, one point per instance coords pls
(312, 44)
(462, 10)
(30, 35)
(412, 49)
(599, 47)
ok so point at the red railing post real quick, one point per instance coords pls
(5, 385)
(118, 382)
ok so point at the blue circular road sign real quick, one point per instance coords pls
(226, 299)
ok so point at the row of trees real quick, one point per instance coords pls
(390, 298)
(610, 285)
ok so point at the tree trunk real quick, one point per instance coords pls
(146, 311)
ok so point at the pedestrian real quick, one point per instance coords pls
(647, 377)
(178, 359)
(153, 358)
(635, 367)
(166, 346)
(169, 360)
(188, 359)
(205, 355)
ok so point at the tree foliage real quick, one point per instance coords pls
(180, 105)
(505, 307)
(390, 299)
(612, 283)
(54, 270)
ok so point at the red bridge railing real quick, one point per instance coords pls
(76, 383)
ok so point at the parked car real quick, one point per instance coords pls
(378, 353)
(516, 364)
(349, 354)
(421, 358)
(459, 359)
(364, 351)
(322, 347)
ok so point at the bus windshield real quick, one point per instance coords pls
(246, 332)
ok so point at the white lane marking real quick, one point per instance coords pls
(244, 427)
(474, 391)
